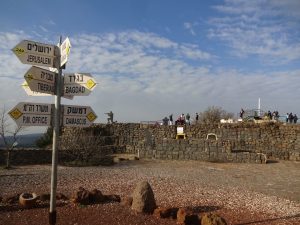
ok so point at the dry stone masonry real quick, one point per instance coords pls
(241, 143)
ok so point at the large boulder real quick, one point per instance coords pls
(212, 219)
(143, 200)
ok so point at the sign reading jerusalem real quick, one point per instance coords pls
(35, 53)
(31, 114)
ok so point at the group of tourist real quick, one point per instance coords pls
(290, 118)
(272, 116)
(181, 120)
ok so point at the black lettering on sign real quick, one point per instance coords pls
(38, 48)
(75, 90)
(45, 87)
(47, 76)
(28, 108)
(39, 59)
(42, 108)
(76, 110)
(39, 119)
(75, 78)
(26, 119)
(76, 121)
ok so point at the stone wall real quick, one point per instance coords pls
(243, 142)
(27, 157)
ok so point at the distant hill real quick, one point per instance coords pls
(25, 140)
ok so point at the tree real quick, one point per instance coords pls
(214, 114)
(82, 147)
(5, 132)
(46, 139)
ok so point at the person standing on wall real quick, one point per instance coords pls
(291, 117)
(197, 117)
(171, 119)
(242, 113)
(188, 119)
(295, 118)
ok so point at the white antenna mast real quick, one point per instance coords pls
(258, 106)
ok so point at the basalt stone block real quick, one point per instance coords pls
(143, 198)
(82, 196)
(165, 213)
(96, 196)
(111, 198)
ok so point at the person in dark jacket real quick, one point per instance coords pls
(291, 117)
(295, 118)
(171, 119)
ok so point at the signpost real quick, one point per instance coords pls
(78, 116)
(78, 84)
(32, 93)
(35, 53)
(35, 93)
(42, 82)
(64, 51)
(31, 114)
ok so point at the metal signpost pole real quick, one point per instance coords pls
(41, 82)
(52, 213)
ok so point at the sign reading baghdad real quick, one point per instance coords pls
(78, 84)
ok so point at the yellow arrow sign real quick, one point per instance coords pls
(90, 84)
(19, 51)
(29, 77)
(91, 116)
(16, 114)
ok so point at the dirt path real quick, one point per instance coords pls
(242, 193)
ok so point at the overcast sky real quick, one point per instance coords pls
(153, 58)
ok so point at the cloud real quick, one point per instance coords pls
(148, 79)
(144, 76)
(134, 52)
(266, 29)
(188, 26)
(51, 22)
(43, 28)
(9, 39)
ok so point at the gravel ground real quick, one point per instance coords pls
(241, 193)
